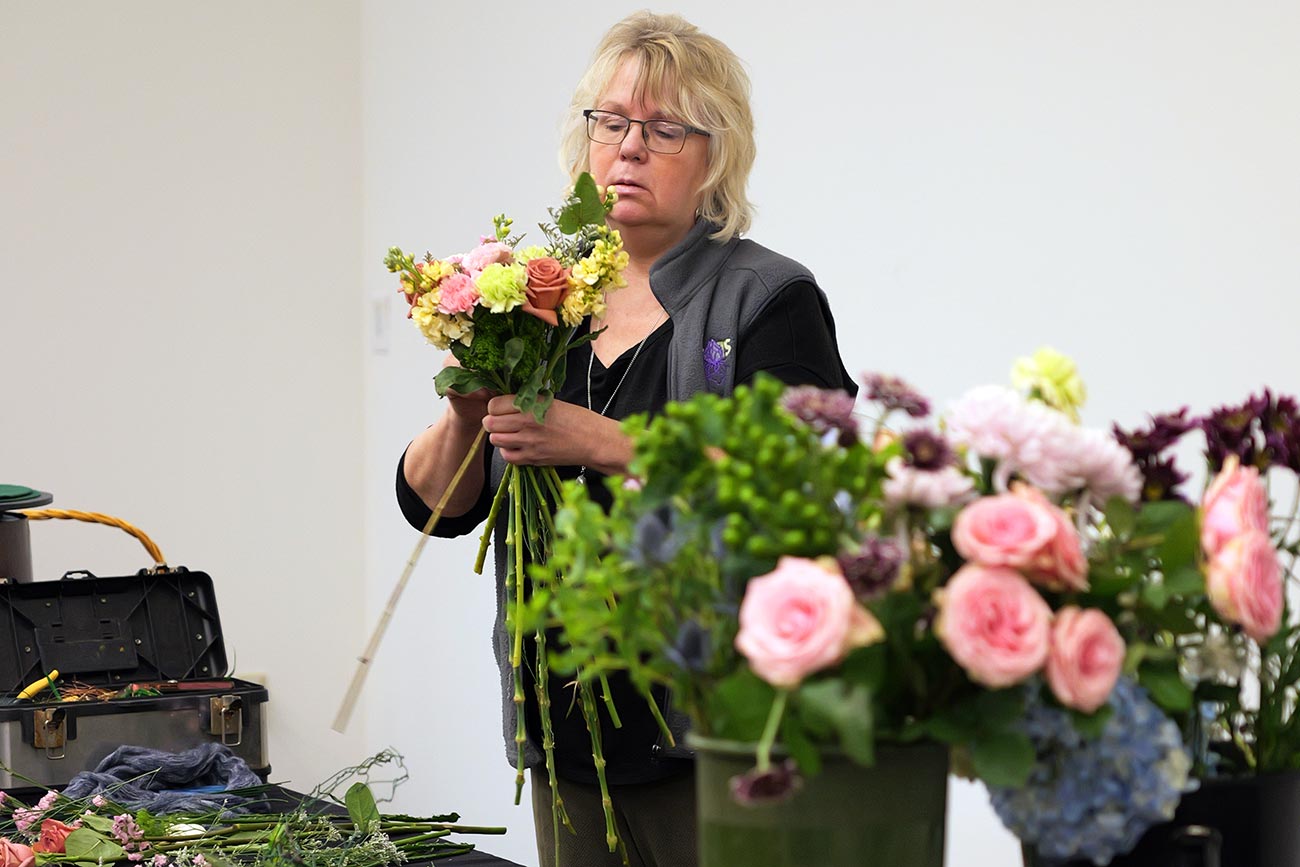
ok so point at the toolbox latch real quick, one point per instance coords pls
(50, 731)
(226, 719)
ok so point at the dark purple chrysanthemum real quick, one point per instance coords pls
(1159, 476)
(1230, 430)
(715, 362)
(872, 570)
(776, 784)
(823, 410)
(927, 450)
(893, 393)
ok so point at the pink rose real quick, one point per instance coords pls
(457, 293)
(1060, 564)
(1234, 503)
(800, 618)
(54, 835)
(15, 854)
(1085, 659)
(994, 624)
(548, 283)
(1244, 583)
(488, 253)
(1004, 530)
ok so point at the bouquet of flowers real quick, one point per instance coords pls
(1035, 594)
(509, 315)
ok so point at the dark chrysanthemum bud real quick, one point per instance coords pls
(927, 450)
(893, 393)
(823, 410)
(772, 786)
(872, 570)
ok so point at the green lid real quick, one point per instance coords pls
(15, 492)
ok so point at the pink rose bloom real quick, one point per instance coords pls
(457, 294)
(1060, 564)
(1085, 659)
(994, 624)
(1244, 583)
(15, 854)
(1234, 503)
(799, 619)
(1003, 530)
(490, 253)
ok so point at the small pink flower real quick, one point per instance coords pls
(200, 861)
(1086, 657)
(24, 818)
(1244, 583)
(1234, 503)
(799, 619)
(489, 253)
(457, 294)
(160, 861)
(47, 800)
(1003, 530)
(99, 801)
(993, 624)
(927, 488)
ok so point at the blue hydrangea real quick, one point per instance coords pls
(1093, 798)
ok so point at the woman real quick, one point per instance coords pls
(662, 116)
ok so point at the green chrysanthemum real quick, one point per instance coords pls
(503, 287)
(1053, 378)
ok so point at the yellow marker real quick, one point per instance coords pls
(39, 685)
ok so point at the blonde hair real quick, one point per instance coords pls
(694, 78)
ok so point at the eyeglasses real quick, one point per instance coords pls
(660, 136)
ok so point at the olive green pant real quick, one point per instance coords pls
(655, 821)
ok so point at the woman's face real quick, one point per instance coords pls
(656, 192)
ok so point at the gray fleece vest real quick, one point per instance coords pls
(712, 292)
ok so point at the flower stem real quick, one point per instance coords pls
(492, 518)
(769, 731)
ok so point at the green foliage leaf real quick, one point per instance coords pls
(459, 380)
(1091, 725)
(514, 351)
(584, 209)
(833, 707)
(1166, 686)
(1003, 758)
(361, 805)
(1121, 516)
(1185, 581)
(1182, 542)
(740, 704)
(86, 844)
(96, 822)
(800, 746)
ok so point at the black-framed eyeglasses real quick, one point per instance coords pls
(660, 136)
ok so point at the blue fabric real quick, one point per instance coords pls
(197, 780)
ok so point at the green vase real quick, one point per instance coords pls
(890, 814)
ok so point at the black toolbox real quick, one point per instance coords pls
(147, 646)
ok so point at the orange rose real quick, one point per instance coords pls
(15, 854)
(54, 834)
(547, 284)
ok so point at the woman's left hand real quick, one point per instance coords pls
(570, 436)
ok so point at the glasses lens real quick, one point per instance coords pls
(665, 136)
(605, 127)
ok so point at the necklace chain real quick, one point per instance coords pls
(591, 360)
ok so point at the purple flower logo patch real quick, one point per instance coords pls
(716, 353)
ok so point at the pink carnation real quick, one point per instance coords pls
(489, 253)
(1244, 583)
(1234, 503)
(799, 619)
(1086, 657)
(457, 293)
(994, 625)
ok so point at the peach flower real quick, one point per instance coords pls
(548, 283)
(53, 835)
(1086, 657)
(15, 854)
(994, 624)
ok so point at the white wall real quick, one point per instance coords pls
(968, 181)
(199, 336)
(180, 205)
